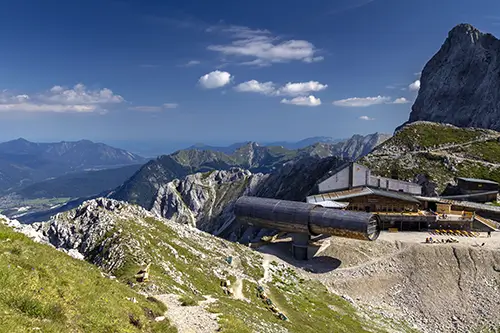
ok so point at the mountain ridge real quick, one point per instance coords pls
(143, 186)
(288, 144)
(23, 162)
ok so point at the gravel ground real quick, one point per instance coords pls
(190, 319)
(434, 287)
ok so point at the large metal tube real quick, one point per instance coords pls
(301, 217)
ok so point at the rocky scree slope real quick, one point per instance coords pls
(460, 84)
(433, 154)
(121, 238)
(438, 287)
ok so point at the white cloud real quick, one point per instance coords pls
(56, 89)
(266, 88)
(361, 101)
(147, 108)
(401, 100)
(215, 79)
(80, 95)
(366, 118)
(289, 89)
(60, 99)
(415, 86)
(262, 48)
(303, 101)
(301, 88)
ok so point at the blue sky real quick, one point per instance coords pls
(218, 71)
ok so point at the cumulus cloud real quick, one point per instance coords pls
(61, 99)
(215, 79)
(401, 100)
(148, 108)
(301, 88)
(289, 89)
(261, 48)
(303, 101)
(415, 86)
(366, 118)
(362, 101)
(266, 88)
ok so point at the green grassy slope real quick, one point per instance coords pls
(46, 290)
(440, 152)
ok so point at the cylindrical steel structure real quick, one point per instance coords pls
(301, 217)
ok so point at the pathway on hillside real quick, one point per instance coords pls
(455, 145)
(265, 264)
(190, 319)
(461, 159)
(373, 261)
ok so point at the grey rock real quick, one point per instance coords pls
(206, 200)
(460, 85)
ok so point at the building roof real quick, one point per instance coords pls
(395, 195)
(332, 204)
(358, 192)
(476, 180)
(467, 204)
(467, 196)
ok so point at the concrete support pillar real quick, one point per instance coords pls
(300, 245)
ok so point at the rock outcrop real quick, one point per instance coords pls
(91, 231)
(206, 200)
(460, 85)
(200, 198)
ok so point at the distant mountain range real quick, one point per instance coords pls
(143, 186)
(139, 183)
(285, 144)
(23, 162)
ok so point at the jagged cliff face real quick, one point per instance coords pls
(460, 85)
(206, 200)
(358, 145)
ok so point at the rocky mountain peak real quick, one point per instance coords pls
(464, 33)
(460, 83)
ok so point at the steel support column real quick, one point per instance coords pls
(300, 245)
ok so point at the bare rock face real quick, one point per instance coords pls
(202, 199)
(460, 85)
(91, 232)
(206, 200)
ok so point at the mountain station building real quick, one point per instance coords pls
(400, 204)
